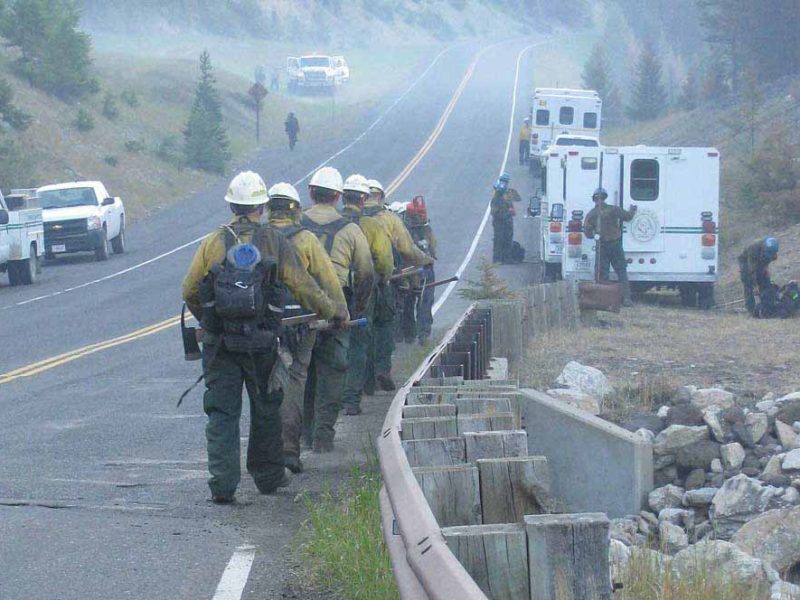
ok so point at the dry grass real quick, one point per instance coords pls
(647, 351)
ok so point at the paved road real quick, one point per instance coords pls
(102, 491)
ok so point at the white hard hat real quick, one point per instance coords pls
(328, 178)
(374, 184)
(356, 183)
(397, 207)
(284, 190)
(247, 189)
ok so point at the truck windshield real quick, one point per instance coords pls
(68, 197)
(315, 61)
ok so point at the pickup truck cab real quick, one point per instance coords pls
(21, 237)
(316, 71)
(82, 216)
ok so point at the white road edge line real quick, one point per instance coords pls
(234, 578)
(465, 263)
(360, 137)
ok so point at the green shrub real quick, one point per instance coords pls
(169, 150)
(110, 109)
(111, 160)
(130, 98)
(135, 146)
(84, 121)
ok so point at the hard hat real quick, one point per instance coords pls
(328, 178)
(600, 192)
(771, 247)
(505, 177)
(356, 183)
(526, 120)
(374, 184)
(397, 207)
(247, 189)
(284, 190)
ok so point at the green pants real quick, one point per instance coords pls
(326, 377)
(225, 373)
(294, 393)
(381, 339)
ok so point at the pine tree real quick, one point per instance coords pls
(206, 144)
(689, 91)
(649, 98)
(597, 76)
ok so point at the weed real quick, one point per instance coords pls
(84, 122)
(110, 108)
(490, 286)
(130, 98)
(135, 146)
(111, 160)
(169, 150)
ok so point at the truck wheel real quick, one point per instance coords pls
(118, 243)
(101, 252)
(23, 272)
(705, 294)
(688, 293)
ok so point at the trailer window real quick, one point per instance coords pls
(589, 163)
(566, 115)
(590, 120)
(644, 179)
(542, 117)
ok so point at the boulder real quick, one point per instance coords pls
(724, 558)
(666, 476)
(786, 435)
(788, 410)
(757, 425)
(623, 530)
(773, 536)
(669, 496)
(678, 516)
(700, 497)
(672, 537)
(790, 496)
(716, 466)
(765, 405)
(663, 461)
(698, 455)
(663, 411)
(732, 456)
(588, 380)
(740, 499)
(644, 421)
(704, 398)
(772, 469)
(791, 462)
(675, 437)
(684, 414)
(720, 430)
(783, 590)
(695, 479)
(653, 559)
(788, 398)
(618, 557)
(576, 398)
(645, 434)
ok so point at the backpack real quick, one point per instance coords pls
(327, 232)
(517, 252)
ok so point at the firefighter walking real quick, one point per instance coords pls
(418, 310)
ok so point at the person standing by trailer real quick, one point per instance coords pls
(754, 269)
(525, 142)
(603, 224)
(503, 213)
(418, 311)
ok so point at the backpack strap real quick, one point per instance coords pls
(329, 230)
(371, 211)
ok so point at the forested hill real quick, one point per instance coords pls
(352, 22)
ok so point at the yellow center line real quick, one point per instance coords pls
(67, 357)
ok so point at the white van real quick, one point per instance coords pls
(562, 111)
(673, 241)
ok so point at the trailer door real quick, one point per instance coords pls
(643, 183)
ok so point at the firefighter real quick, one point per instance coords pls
(356, 192)
(292, 128)
(406, 254)
(349, 251)
(754, 269)
(238, 350)
(525, 142)
(503, 213)
(284, 215)
(603, 223)
(418, 315)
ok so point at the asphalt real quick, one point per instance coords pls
(102, 478)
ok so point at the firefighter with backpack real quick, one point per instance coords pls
(235, 287)
(754, 264)
(284, 215)
(503, 213)
(417, 313)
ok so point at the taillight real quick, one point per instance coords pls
(575, 239)
(576, 222)
(709, 227)
(708, 239)
(555, 227)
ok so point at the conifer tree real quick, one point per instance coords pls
(206, 144)
(649, 98)
(597, 76)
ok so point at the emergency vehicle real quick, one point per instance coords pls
(673, 241)
(21, 236)
(562, 111)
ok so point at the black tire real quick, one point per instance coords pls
(688, 293)
(118, 243)
(23, 272)
(535, 167)
(705, 294)
(101, 252)
(552, 272)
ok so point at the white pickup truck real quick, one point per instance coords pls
(82, 216)
(316, 71)
(21, 238)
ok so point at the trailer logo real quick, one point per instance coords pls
(644, 226)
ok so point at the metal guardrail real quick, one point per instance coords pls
(423, 565)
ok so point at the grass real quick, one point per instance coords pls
(343, 544)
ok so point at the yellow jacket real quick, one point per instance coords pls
(290, 270)
(379, 243)
(525, 133)
(313, 257)
(399, 235)
(349, 252)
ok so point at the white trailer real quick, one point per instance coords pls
(562, 111)
(21, 237)
(673, 241)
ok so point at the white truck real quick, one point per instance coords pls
(673, 241)
(81, 216)
(21, 237)
(562, 111)
(316, 71)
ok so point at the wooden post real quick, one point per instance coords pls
(452, 493)
(568, 556)
(514, 487)
(504, 404)
(429, 410)
(495, 556)
(426, 428)
(495, 444)
(485, 422)
(436, 452)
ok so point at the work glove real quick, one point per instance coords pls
(341, 316)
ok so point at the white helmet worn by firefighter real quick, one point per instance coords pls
(375, 185)
(328, 178)
(356, 183)
(284, 190)
(247, 189)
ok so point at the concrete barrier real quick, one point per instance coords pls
(595, 466)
